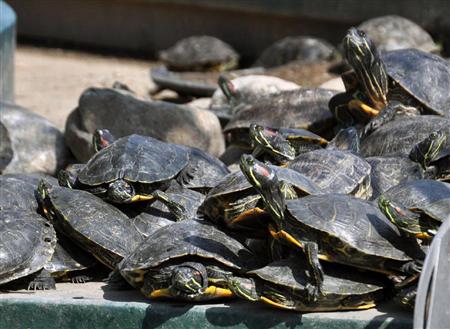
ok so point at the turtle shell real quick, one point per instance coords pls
(393, 32)
(346, 221)
(423, 75)
(430, 196)
(94, 225)
(335, 171)
(390, 171)
(6, 151)
(134, 158)
(301, 108)
(399, 136)
(188, 239)
(343, 288)
(198, 52)
(27, 243)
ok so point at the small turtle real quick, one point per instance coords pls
(94, 225)
(394, 32)
(186, 261)
(200, 53)
(299, 48)
(360, 235)
(284, 284)
(418, 207)
(27, 243)
(335, 171)
(409, 76)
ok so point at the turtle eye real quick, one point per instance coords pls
(361, 34)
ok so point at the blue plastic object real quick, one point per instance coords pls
(7, 48)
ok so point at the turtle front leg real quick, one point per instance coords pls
(316, 275)
(174, 207)
(42, 281)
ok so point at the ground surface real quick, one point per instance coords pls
(50, 81)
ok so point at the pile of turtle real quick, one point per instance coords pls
(322, 201)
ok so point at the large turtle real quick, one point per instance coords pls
(337, 228)
(409, 76)
(94, 225)
(284, 284)
(185, 261)
(200, 53)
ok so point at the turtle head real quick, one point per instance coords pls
(428, 150)
(43, 190)
(189, 279)
(264, 179)
(244, 288)
(66, 178)
(229, 90)
(120, 191)
(362, 55)
(101, 139)
(400, 216)
(270, 140)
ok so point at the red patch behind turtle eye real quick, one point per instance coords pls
(270, 132)
(262, 171)
(104, 142)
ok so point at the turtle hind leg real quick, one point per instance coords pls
(186, 175)
(42, 281)
(80, 278)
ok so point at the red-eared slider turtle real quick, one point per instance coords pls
(409, 76)
(200, 53)
(94, 225)
(418, 207)
(185, 261)
(335, 171)
(282, 145)
(27, 243)
(284, 284)
(398, 137)
(337, 228)
(299, 49)
(394, 32)
(236, 204)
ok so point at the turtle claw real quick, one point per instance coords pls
(313, 292)
(41, 284)
(80, 279)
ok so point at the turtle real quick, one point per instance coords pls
(94, 225)
(336, 228)
(409, 76)
(303, 49)
(245, 89)
(417, 207)
(200, 53)
(335, 171)
(27, 242)
(346, 139)
(433, 154)
(284, 284)
(392, 32)
(235, 204)
(398, 137)
(186, 261)
(283, 145)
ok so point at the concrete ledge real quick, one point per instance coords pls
(146, 26)
(92, 305)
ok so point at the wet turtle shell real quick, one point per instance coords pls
(27, 242)
(424, 76)
(393, 32)
(335, 171)
(200, 53)
(350, 231)
(94, 225)
(399, 136)
(296, 48)
(343, 288)
(390, 171)
(303, 108)
(134, 158)
(428, 196)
